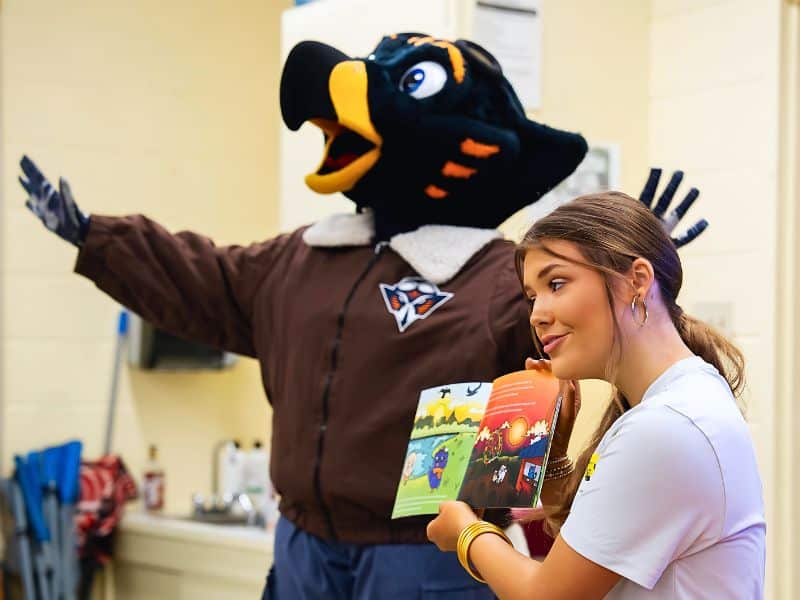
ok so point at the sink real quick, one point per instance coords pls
(236, 509)
(217, 518)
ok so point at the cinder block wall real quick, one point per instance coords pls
(168, 109)
(714, 89)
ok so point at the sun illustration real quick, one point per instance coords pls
(518, 431)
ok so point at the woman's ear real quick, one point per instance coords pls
(642, 276)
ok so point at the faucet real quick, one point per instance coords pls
(224, 504)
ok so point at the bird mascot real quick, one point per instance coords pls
(352, 316)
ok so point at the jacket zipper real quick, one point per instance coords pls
(326, 390)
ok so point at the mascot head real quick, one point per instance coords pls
(423, 131)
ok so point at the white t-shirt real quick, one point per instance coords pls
(674, 504)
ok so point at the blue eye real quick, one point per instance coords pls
(556, 284)
(412, 80)
(424, 79)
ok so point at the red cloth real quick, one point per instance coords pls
(539, 543)
(106, 486)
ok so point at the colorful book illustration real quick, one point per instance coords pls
(483, 443)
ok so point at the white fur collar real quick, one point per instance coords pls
(436, 252)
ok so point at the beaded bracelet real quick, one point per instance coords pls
(559, 472)
(467, 536)
(554, 462)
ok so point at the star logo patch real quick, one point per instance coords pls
(412, 299)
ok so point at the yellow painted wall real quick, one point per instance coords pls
(714, 89)
(164, 108)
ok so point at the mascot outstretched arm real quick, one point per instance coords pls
(352, 316)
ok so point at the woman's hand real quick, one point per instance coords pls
(444, 529)
(570, 405)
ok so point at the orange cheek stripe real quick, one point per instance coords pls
(435, 192)
(452, 169)
(472, 148)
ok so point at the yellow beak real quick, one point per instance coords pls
(348, 90)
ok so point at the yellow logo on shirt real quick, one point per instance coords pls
(591, 466)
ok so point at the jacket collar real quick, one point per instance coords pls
(436, 252)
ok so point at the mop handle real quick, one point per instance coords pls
(122, 330)
(23, 539)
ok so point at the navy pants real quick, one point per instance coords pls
(307, 568)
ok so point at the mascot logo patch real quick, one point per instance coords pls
(411, 299)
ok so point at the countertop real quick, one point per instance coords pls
(181, 528)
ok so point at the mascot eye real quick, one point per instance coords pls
(423, 79)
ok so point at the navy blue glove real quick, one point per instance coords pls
(670, 221)
(56, 208)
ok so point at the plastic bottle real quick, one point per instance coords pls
(258, 484)
(153, 482)
(231, 470)
(256, 472)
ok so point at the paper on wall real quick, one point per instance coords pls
(512, 31)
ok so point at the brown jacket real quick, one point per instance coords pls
(343, 380)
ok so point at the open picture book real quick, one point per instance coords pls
(483, 443)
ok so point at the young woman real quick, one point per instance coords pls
(666, 501)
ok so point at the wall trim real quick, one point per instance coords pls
(3, 88)
(786, 524)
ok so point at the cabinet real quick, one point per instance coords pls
(174, 559)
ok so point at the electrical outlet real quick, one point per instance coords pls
(717, 314)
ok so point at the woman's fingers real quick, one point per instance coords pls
(570, 405)
(576, 386)
(541, 364)
(571, 391)
(445, 528)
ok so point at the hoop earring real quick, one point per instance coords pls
(633, 310)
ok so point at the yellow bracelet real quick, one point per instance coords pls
(467, 536)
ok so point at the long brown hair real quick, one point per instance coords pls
(611, 230)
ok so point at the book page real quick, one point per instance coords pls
(445, 427)
(507, 462)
